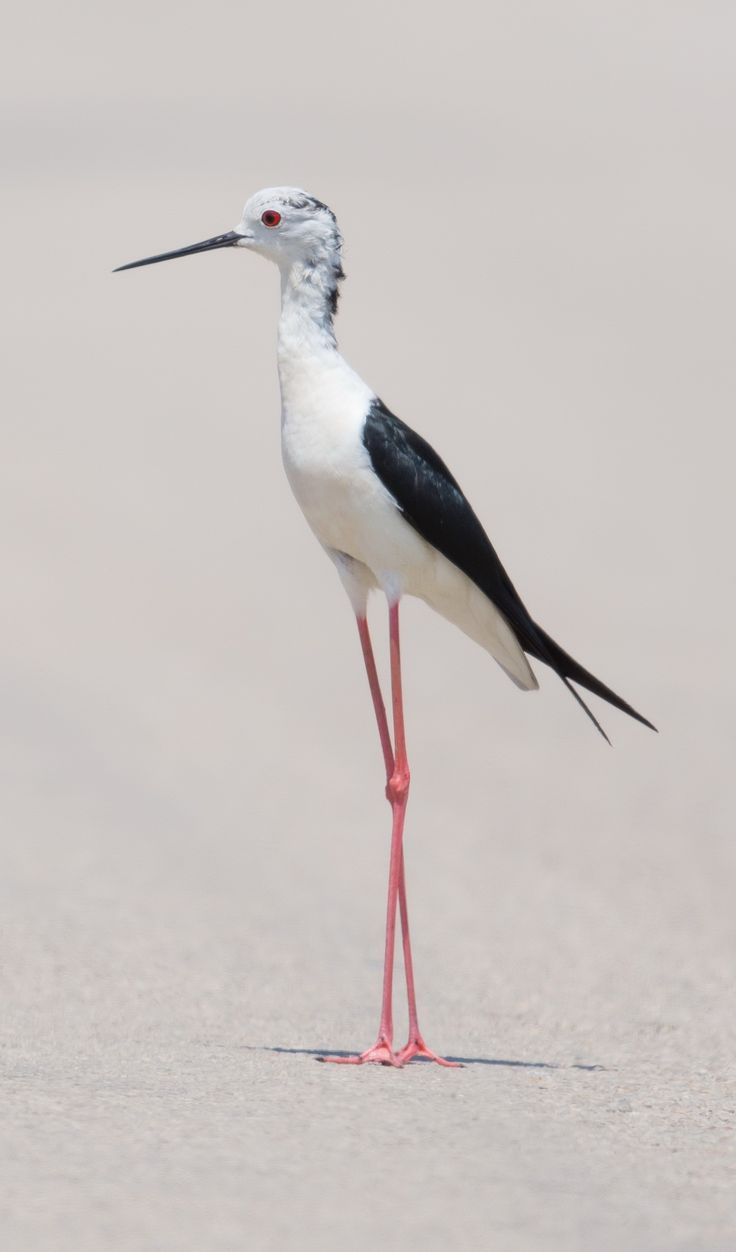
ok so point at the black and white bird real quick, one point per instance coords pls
(388, 513)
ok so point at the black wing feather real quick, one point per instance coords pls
(432, 502)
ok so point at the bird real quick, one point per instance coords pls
(391, 517)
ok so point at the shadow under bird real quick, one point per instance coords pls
(389, 514)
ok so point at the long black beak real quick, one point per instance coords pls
(207, 245)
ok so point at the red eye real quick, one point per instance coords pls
(270, 217)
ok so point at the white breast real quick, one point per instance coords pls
(329, 470)
(350, 511)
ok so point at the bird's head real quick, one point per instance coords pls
(284, 224)
(289, 226)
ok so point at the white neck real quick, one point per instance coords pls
(309, 299)
(306, 341)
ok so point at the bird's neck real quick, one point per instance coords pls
(306, 342)
(309, 301)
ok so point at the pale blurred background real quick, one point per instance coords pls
(538, 202)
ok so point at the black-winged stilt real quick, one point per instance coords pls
(389, 514)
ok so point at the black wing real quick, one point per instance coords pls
(431, 501)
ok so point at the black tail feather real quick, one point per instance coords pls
(585, 708)
(543, 648)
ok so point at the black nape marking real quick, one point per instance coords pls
(319, 204)
(338, 274)
(430, 499)
(310, 202)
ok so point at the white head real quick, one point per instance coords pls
(287, 226)
(290, 227)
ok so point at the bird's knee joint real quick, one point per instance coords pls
(397, 787)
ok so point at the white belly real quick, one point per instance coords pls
(330, 472)
(351, 512)
(347, 506)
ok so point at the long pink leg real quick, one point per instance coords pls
(415, 1045)
(397, 793)
(382, 1050)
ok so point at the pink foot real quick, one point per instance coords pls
(417, 1047)
(380, 1054)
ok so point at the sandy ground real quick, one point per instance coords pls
(539, 221)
